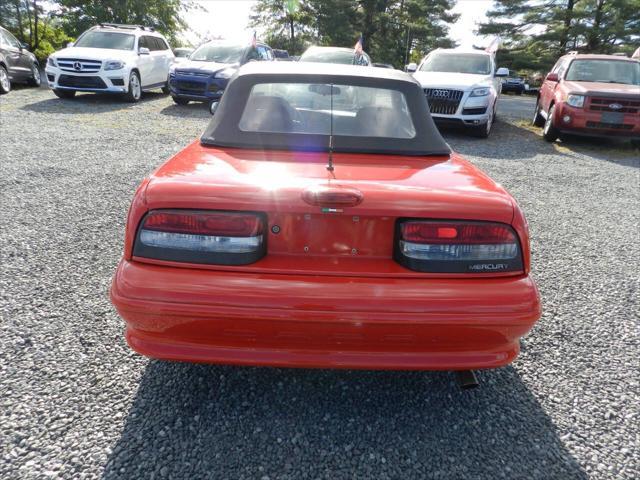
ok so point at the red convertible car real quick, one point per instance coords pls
(322, 221)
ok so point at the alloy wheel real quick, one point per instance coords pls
(35, 71)
(134, 84)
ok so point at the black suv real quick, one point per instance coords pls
(513, 83)
(17, 64)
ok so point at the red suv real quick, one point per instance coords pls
(590, 95)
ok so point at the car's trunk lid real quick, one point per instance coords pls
(342, 217)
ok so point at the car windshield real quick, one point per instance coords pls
(218, 53)
(109, 40)
(607, 71)
(344, 57)
(322, 109)
(457, 63)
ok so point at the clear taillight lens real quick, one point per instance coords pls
(458, 247)
(211, 237)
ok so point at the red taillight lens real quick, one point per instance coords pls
(457, 247)
(452, 233)
(224, 238)
(225, 224)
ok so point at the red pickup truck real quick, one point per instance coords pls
(590, 95)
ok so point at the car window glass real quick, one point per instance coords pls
(253, 54)
(606, 71)
(153, 44)
(212, 52)
(557, 66)
(107, 40)
(561, 68)
(163, 44)
(11, 40)
(473, 63)
(308, 109)
(142, 42)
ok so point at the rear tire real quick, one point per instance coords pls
(549, 132)
(538, 120)
(5, 83)
(35, 79)
(180, 101)
(65, 94)
(134, 94)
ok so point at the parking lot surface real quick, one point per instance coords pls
(78, 403)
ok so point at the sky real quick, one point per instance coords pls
(229, 19)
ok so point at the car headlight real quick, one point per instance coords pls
(114, 65)
(226, 73)
(51, 62)
(480, 92)
(575, 100)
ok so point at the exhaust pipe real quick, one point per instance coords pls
(467, 379)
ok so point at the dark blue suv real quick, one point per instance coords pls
(204, 76)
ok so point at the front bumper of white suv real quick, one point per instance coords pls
(459, 107)
(83, 75)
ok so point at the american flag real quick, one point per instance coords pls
(357, 49)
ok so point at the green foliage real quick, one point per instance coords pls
(390, 29)
(163, 15)
(31, 24)
(49, 25)
(537, 32)
(52, 38)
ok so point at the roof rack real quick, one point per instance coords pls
(572, 52)
(619, 54)
(125, 27)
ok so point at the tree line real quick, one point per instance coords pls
(47, 25)
(537, 32)
(391, 30)
(534, 32)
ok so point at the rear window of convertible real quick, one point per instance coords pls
(322, 109)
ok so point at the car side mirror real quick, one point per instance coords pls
(552, 77)
(70, 44)
(213, 107)
(143, 51)
(412, 67)
(502, 72)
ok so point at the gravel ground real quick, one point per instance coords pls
(77, 403)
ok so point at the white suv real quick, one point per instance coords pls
(461, 86)
(125, 59)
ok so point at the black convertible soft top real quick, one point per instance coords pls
(224, 128)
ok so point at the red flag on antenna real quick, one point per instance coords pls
(357, 49)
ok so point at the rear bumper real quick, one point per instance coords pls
(323, 321)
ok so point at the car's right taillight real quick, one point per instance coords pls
(457, 247)
(208, 237)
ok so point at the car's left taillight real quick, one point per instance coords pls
(206, 237)
(457, 247)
